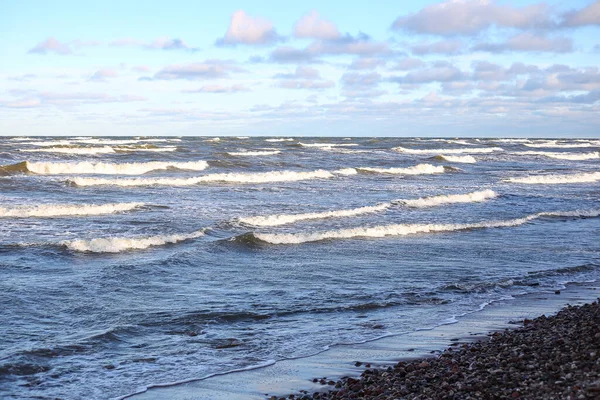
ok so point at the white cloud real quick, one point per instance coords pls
(245, 29)
(51, 45)
(312, 26)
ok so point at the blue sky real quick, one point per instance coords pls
(386, 68)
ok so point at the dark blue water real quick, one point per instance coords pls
(118, 272)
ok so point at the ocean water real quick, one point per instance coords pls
(131, 262)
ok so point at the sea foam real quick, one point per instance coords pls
(419, 169)
(458, 159)
(258, 177)
(562, 156)
(119, 244)
(473, 150)
(72, 150)
(557, 179)
(255, 153)
(472, 197)
(408, 229)
(282, 219)
(63, 210)
(52, 168)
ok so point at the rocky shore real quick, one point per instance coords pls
(555, 357)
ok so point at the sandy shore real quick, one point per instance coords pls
(488, 358)
(555, 357)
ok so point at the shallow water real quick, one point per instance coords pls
(194, 256)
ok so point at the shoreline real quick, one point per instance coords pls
(321, 372)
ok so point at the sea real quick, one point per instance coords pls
(129, 262)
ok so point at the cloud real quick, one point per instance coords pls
(360, 45)
(589, 98)
(102, 74)
(245, 29)
(408, 63)
(438, 72)
(357, 85)
(209, 69)
(311, 26)
(440, 47)
(528, 42)
(34, 98)
(589, 15)
(51, 45)
(162, 43)
(30, 103)
(22, 78)
(367, 63)
(303, 78)
(219, 89)
(467, 17)
(141, 68)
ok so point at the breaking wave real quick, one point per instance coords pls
(327, 144)
(449, 199)
(419, 169)
(473, 150)
(279, 140)
(555, 144)
(255, 153)
(259, 177)
(62, 210)
(346, 171)
(562, 156)
(149, 148)
(51, 168)
(457, 159)
(282, 219)
(403, 229)
(119, 244)
(558, 179)
(72, 150)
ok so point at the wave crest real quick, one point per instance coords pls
(472, 197)
(473, 150)
(557, 179)
(562, 156)
(60, 210)
(457, 159)
(48, 168)
(120, 244)
(249, 178)
(419, 169)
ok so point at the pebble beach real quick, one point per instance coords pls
(552, 357)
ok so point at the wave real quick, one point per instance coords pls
(280, 140)
(259, 177)
(555, 144)
(216, 139)
(343, 150)
(403, 229)
(282, 219)
(255, 153)
(419, 169)
(449, 199)
(457, 159)
(327, 144)
(145, 148)
(512, 140)
(52, 143)
(562, 156)
(72, 150)
(557, 179)
(50, 168)
(473, 150)
(346, 171)
(119, 244)
(62, 210)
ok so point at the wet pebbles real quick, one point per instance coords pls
(547, 358)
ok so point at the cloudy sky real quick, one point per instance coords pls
(317, 68)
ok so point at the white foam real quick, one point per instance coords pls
(342, 150)
(282, 219)
(562, 156)
(279, 140)
(555, 144)
(473, 150)
(472, 197)
(73, 150)
(346, 171)
(459, 159)
(409, 229)
(216, 139)
(259, 177)
(557, 179)
(255, 153)
(105, 141)
(327, 144)
(383, 231)
(60, 210)
(149, 149)
(51, 143)
(119, 244)
(419, 169)
(51, 168)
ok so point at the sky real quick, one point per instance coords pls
(510, 68)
